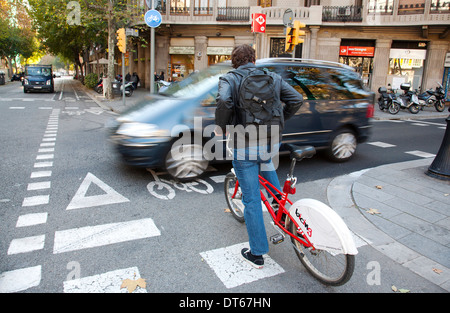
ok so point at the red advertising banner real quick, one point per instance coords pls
(258, 23)
(357, 51)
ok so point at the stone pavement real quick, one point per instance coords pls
(396, 208)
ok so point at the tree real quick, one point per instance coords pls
(72, 29)
(16, 36)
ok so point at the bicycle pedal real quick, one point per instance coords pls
(277, 238)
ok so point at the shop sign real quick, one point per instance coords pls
(258, 23)
(219, 50)
(181, 50)
(418, 54)
(357, 51)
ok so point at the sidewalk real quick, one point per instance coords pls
(396, 208)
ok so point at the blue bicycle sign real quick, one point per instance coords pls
(153, 18)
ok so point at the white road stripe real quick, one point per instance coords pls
(233, 271)
(39, 185)
(36, 200)
(32, 219)
(21, 279)
(27, 244)
(421, 154)
(381, 144)
(40, 174)
(45, 156)
(43, 164)
(106, 234)
(109, 282)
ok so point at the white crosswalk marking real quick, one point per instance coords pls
(233, 271)
(109, 282)
(21, 279)
(106, 234)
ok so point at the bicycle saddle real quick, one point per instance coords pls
(302, 152)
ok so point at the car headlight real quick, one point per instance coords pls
(142, 130)
(49, 82)
(25, 81)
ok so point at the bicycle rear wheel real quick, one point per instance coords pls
(330, 269)
(234, 204)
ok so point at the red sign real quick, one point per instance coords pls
(357, 51)
(258, 23)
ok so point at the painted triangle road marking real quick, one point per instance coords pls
(80, 200)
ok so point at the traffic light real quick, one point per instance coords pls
(298, 32)
(289, 44)
(122, 40)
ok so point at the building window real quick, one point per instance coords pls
(440, 6)
(265, 3)
(411, 6)
(309, 3)
(160, 5)
(381, 6)
(203, 7)
(179, 6)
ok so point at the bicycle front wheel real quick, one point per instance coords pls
(234, 203)
(330, 269)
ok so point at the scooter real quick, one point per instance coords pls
(408, 100)
(440, 97)
(385, 99)
(430, 98)
(99, 87)
(118, 88)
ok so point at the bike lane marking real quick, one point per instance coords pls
(80, 200)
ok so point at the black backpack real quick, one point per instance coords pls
(256, 97)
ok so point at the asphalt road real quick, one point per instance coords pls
(73, 217)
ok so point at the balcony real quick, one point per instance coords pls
(233, 14)
(342, 14)
(398, 13)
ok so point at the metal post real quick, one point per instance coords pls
(123, 75)
(152, 55)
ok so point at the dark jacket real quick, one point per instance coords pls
(227, 112)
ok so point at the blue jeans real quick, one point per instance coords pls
(247, 169)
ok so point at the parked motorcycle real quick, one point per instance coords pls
(434, 98)
(407, 100)
(118, 88)
(99, 87)
(385, 99)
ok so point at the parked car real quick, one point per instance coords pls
(335, 116)
(38, 78)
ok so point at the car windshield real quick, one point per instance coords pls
(38, 71)
(197, 83)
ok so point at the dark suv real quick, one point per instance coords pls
(335, 116)
(38, 78)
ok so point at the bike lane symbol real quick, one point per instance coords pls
(162, 188)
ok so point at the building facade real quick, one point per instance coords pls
(386, 41)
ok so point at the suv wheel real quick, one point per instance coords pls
(342, 146)
(186, 162)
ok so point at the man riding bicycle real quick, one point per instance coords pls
(249, 108)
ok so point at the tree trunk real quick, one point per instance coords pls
(111, 43)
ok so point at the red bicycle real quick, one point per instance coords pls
(321, 239)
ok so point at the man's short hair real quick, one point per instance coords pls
(242, 55)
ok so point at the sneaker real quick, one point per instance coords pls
(257, 261)
(275, 204)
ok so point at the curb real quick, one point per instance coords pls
(340, 198)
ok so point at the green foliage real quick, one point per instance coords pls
(91, 80)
